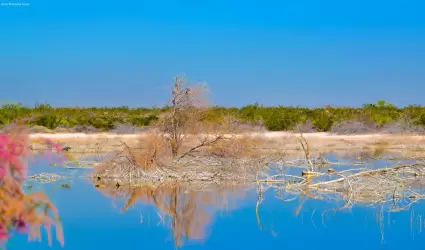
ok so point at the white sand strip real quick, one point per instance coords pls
(261, 134)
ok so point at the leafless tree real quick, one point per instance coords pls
(184, 141)
(184, 120)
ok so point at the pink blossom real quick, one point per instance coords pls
(4, 236)
(3, 172)
(13, 156)
(4, 155)
(11, 153)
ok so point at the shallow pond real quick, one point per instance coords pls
(213, 217)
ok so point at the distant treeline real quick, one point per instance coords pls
(370, 116)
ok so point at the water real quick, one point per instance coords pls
(217, 218)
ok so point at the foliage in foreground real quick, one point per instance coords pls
(381, 116)
(21, 212)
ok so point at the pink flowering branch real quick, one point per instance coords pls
(21, 212)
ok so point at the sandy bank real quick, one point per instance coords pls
(413, 145)
(72, 136)
(83, 136)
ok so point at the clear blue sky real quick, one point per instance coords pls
(297, 52)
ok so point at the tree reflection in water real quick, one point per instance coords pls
(189, 209)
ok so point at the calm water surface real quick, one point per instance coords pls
(218, 218)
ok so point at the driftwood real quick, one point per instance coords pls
(396, 188)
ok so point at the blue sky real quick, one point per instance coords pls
(297, 52)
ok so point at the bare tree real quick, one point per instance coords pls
(185, 118)
(183, 142)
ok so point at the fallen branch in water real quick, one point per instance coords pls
(399, 186)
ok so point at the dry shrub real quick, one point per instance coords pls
(151, 152)
(402, 126)
(230, 124)
(40, 129)
(236, 147)
(306, 127)
(217, 135)
(182, 138)
(249, 128)
(85, 129)
(123, 129)
(353, 127)
(62, 129)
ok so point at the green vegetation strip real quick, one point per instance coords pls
(279, 118)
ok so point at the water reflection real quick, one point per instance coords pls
(189, 211)
(258, 216)
(186, 210)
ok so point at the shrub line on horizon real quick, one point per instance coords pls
(379, 116)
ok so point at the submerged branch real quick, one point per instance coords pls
(399, 186)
